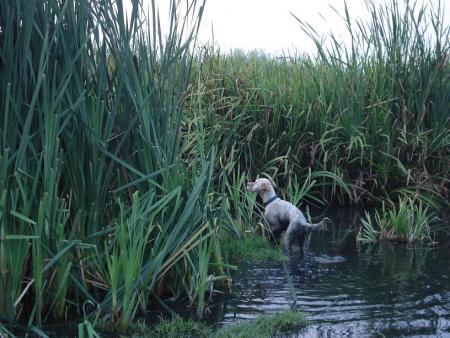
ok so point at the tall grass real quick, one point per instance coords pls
(96, 206)
(407, 221)
(373, 114)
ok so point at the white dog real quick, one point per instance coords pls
(282, 215)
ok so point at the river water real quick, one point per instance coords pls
(350, 290)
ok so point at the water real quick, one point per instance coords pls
(349, 290)
(345, 289)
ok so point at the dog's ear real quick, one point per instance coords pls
(264, 186)
(273, 184)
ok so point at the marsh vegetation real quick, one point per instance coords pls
(406, 221)
(124, 153)
(264, 326)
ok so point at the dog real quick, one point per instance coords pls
(284, 216)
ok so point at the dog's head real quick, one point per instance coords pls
(261, 185)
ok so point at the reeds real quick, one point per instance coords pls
(95, 205)
(374, 114)
(406, 221)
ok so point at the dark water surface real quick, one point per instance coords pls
(350, 290)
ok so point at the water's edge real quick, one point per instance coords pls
(350, 290)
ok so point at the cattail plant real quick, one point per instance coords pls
(96, 204)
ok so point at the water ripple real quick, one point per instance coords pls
(377, 292)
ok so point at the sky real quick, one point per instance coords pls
(268, 25)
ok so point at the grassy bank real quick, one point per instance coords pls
(269, 325)
(252, 248)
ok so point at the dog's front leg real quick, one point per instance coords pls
(275, 227)
(276, 233)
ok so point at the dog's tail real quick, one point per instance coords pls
(322, 225)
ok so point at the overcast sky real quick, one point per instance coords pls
(268, 25)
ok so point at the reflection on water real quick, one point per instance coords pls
(350, 290)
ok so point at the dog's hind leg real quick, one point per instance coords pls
(289, 237)
(303, 238)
